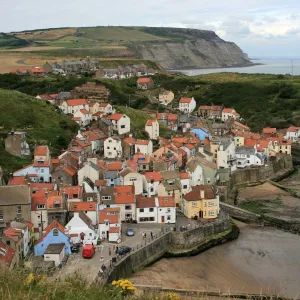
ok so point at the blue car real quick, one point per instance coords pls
(130, 232)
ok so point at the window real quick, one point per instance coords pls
(151, 219)
(115, 148)
(1, 214)
(133, 179)
(168, 218)
(55, 232)
(168, 209)
(107, 147)
(106, 197)
(110, 141)
(151, 209)
(151, 190)
(185, 186)
(109, 153)
(122, 126)
(211, 213)
(127, 207)
(42, 170)
(211, 203)
(208, 180)
(8, 243)
(194, 203)
(205, 204)
(248, 156)
(141, 210)
(19, 210)
(90, 234)
(41, 206)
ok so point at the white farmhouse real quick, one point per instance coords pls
(292, 134)
(113, 147)
(187, 105)
(152, 127)
(120, 122)
(229, 113)
(80, 229)
(248, 156)
(73, 105)
(144, 146)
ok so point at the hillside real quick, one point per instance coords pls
(9, 41)
(171, 48)
(38, 118)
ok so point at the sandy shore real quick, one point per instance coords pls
(259, 261)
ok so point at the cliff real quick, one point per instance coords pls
(191, 49)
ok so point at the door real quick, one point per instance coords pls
(201, 214)
(163, 219)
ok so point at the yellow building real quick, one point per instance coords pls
(201, 202)
(239, 141)
(166, 97)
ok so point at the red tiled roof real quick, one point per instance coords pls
(55, 161)
(172, 117)
(114, 166)
(144, 80)
(166, 202)
(145, 202)
(29, 224)
(155, 176)
(18, 180)
(53, 225)
(293, 128)
(104, 216)
(13, 234)
(76, 118)
(38, 198)
(150, 122)
(124, 194)
(91, 135)
(142, 142)
(75, 102)
(84, 111)
(115, 117)
(41, 186)
(40, 151)
(6, 254)
(249, 142)
(269, 130)
(129, 140)
(71, 171)
(189, 146)
(83, 206)
(193, 195)
(184, 175)
(72, 191)
(241, 125)
(100, 182)
(52, 199)
(185, 100)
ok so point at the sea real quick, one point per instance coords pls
(267, 65)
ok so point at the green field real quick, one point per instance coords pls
(39, 119)
(9, 41)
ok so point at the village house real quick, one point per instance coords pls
(210, 112)
(186, 183)
(80, 229)
(248, 156)
(89, 208)
(7, 256)
(65, 176)
(120, 123)
(14, 203)
(226, 157)
(106, 126)
(56, 209)
(128, 146)
(143, 146)
(145, 84)
(166, 210)
(142, 162)
(269, 132)
(14, 238)
(82, 117)
(151, 180)
(240, 127)
(201, 203)
(195, 172)
(23, 227)
(32, 71)
(187, 105)
(113, 147)
(106, 108)
(229, 113)
(40, 170)
(170, 186)
(219, 129)
(292, 134)
(74, 105)
(209, 169)
(15, 144)
(125, 200)
(110, 224)
(89, 170)
(54, 234)
(130, 177)
(152, 127)
(165, 97)
(172, 121)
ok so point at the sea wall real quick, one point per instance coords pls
(261, 220)
(191, 238)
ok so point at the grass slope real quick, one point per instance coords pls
(10, 41)
(38, 118)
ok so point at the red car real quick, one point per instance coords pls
(88, 251)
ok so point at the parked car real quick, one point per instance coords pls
(75, 248)
(124, 250)
(130, 232)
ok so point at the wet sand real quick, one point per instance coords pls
(259, 261)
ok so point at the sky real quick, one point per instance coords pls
(259, 27)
